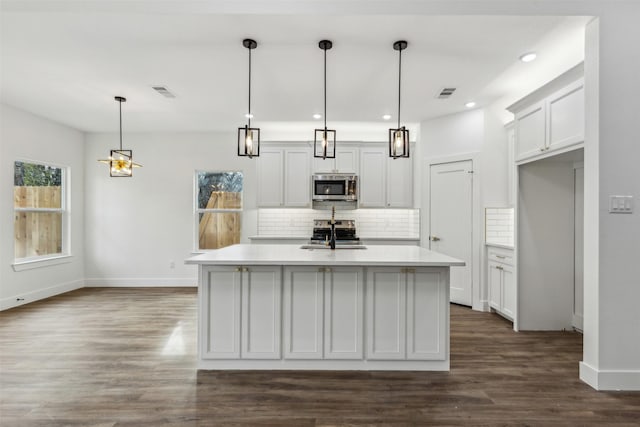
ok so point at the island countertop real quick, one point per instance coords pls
(373, 255)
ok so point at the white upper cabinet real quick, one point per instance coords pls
(399, 182)
(530, 131)
(270, 174)
(551, 119)
(566, 116)
(297, 181)
(385, 182)
(284, 177)
(373, 162)
(346, 161)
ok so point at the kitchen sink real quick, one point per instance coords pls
(319, 246)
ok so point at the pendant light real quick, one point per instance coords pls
(120, 161)
(324, 140)
(248, 137)
(399, 138)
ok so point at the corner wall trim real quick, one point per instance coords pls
(610, 380)
(150, 282)
(12, 301)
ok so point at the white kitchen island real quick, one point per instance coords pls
(283, 307)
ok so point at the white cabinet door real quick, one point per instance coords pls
(426, 334)
(565, 110)
(508, 291)
(400, 182)
(372, 177)
(346, 161)
(303, 294)
(495, 285)
(297, 180)
(220, 330)
(386, 314)
(530, 131)
(270, 176)
(261, 312)
(343, 319)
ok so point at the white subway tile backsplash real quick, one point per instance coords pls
(399, 223)
(499, 225)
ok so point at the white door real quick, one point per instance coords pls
(578, 265)
(451, 220)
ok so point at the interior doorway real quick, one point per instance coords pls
(451, 222)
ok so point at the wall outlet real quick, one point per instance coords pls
(621, 204)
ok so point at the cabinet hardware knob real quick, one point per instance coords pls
(499, 268)
(434, 238)
(542, 149)
(500, 256)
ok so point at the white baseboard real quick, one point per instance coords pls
(21, 299)
(151, 282)
(610, 380)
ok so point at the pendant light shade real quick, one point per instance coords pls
(399, 137)
(248, 137)
(324, 140)
(120, 161)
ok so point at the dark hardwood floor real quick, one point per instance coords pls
(126, 357)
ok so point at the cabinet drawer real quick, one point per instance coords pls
(502, 257)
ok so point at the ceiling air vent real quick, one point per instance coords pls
(446, 92)
(163, 91)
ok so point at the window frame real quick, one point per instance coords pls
(64, 256)
(198, 210)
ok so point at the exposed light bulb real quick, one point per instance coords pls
(248, 142)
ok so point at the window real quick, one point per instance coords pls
(40, 211)
(218, 208)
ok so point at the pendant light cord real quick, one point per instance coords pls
(249, 115)
(399, 82)
(325, 90)
(120, 102)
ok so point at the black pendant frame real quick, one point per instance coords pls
(326, 150)
(244, 148)
(399, 143)
(324, 140)
(399, 138)
(120, 160)
(249, 147)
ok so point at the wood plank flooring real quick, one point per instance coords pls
(126, 357)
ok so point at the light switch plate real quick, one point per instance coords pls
(621, 204)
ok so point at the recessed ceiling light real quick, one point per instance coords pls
(470, 104)
(528, 57)
(249, 116)
(317, 116)
(386, 117)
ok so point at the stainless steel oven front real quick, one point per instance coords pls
(335, 187)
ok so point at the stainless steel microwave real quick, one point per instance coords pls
(335, 187)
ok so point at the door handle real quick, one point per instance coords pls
(434, 238)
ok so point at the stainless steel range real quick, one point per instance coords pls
(345, 232)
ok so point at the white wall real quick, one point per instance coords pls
(136, 226)
(479, 133)
(27, 137)
(612, 242)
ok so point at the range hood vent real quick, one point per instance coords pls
(163, 91)
(446, 92)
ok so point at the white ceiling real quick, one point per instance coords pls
(69, 66)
